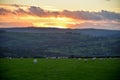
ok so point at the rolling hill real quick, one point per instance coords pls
(42, 42)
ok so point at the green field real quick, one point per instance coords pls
(59, 69)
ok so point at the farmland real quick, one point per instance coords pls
(38, 42)
(19, 47)
(59, 69)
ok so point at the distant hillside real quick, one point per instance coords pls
(99, 32)
(90, 32)
(42, 42)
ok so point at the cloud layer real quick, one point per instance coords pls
(111, 19)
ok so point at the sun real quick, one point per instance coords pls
(54, 22)
(49, 21)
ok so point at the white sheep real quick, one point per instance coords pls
(35, 60)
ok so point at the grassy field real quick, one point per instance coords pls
(59, 69)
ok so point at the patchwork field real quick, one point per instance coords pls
(59, 69)
(38, 42)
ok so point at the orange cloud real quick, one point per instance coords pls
(25, 16)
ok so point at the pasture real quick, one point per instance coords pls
(59, 69)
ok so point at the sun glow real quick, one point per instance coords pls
(36, 21)
(55, 22)
(25, 16)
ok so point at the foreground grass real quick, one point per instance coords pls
(59, 69)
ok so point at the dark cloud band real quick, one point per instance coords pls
(85, 15)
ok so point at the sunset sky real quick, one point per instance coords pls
(101, 14)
